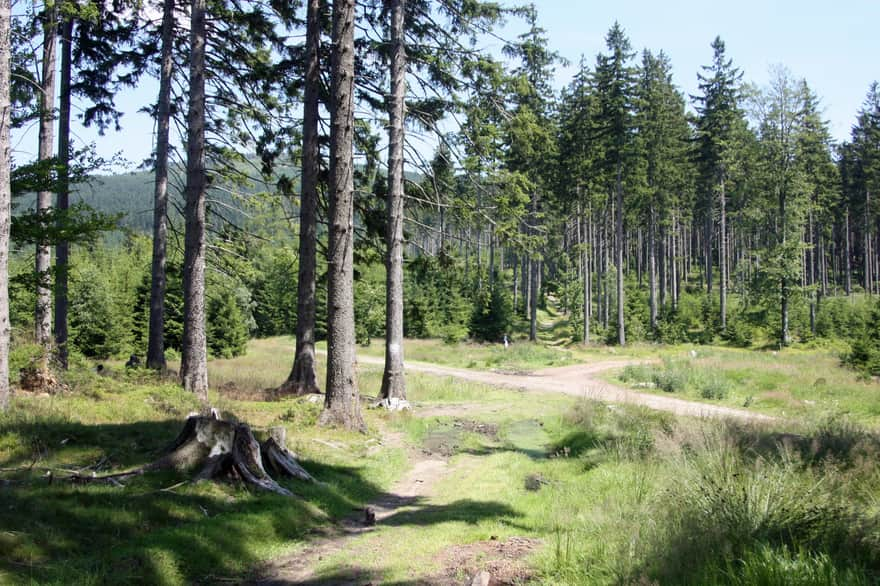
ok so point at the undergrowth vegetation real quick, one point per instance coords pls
(735, 504)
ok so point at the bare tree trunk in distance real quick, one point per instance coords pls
(156, 335)
(393, 379)
(534, 287)
(62, 248)
(303, 377)
(621, 332)
(5, 198)
(341, 402)
(194, 357)
(652, 268)
(722, 256)
(848, 260)
(43, 309)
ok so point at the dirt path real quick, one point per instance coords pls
(581, 380)
(301, 567)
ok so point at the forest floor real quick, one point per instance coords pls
(547, 464)
(328, 561)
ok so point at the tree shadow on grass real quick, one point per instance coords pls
(350, 577)
(153, 530)
(462, 511)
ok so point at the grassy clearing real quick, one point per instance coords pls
(797, 383)
(62, 534)
(626, 494)
(632, 496)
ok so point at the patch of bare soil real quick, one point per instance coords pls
(446, 439)
(503, 561)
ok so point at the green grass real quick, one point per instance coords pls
(59, 533)
(629, 495)
(796, 383)
(632, 496)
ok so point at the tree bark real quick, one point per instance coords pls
(587, 277)
(43, 309)
(722, 255)
(156, 334)
(62, 248)
(194, 355)
(621, 332)
(869, 289)
(303, 377)
(393, 378)
(533, 300)
(652, 268)
(5, 197)
(848, 257)
(342, 402)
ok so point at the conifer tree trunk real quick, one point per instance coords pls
(534, 290)
(587, 279)
(393, 379)
(652, 268)
(621, 333)
(848, 257)
(722, 255)
(661, 264)
(62, 248)
(707, 254)
(156, 334)
(673, 262)
(5, 197)
(784, 286)
(869, 289)
(813, 249)
(342, 402)
(533, 300)
(303, 377)
(515, 282)
(194, 355)
(43, 309)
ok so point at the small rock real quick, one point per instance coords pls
(482, 579)
(393, 404)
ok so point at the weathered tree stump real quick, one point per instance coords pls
(212, 448)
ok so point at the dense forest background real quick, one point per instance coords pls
(644, 214)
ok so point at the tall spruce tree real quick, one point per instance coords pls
(719, 128)
(342, 401)
(393, 378)
(5, 195)
(158, 273)
(615, 85)
(303, 376)
(662, 146)
(194, 354)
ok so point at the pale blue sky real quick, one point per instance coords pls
(834, 45)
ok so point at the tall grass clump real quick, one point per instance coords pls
(735, 518)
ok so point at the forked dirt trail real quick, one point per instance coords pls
(582, 380)
(302, 567)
